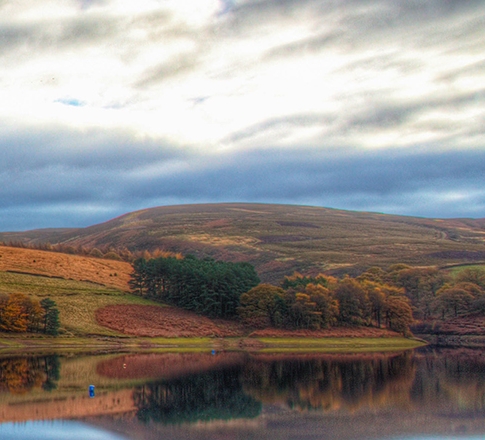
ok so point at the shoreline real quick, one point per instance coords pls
(9, 345)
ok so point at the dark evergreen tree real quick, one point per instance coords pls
(204, 286)
(51, 317)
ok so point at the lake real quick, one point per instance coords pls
(419, 394)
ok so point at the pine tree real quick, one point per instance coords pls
(51, 317)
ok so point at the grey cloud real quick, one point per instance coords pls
(382, 113)
(83, 149)
(470, 69)
(305, 45)
(376, 110)
(60, 177)
(180, 64)
(326, 176)
(86, 4)
(357, 24)
(32, 40)
(404, 181)
(280, 123)
(83, 31)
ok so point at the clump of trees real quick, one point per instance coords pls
(394, 297)
(437, 294)
(324, 301)
(106, 252)
(206, 286)
(20, 314)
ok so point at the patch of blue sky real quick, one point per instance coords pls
(73, 102)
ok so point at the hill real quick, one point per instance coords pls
(279, 239)
(109, 273)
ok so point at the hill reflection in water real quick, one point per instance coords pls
(240, 395)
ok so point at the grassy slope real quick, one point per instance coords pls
(77, 300)
(79, 285)
(279, 239)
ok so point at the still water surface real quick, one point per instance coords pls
(422, 394)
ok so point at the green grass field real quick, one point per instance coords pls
(77, 301)
(338, 345)
(457, 269)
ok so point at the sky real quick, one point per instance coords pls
(110, 106)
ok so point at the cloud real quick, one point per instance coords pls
(423, 181)
(108, 106)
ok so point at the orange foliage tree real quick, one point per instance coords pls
(19, 313)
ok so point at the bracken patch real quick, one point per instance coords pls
(167, 322)
(170, 322)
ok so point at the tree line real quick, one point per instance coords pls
(322, 302)
(20, 314)
(206, 286)
(393, 297)
(107, 252)
(213, 395)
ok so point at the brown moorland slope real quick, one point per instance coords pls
(170, 322)
(279, 239)
(105, 272)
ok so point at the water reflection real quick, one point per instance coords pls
(240, 395)
(329, 382)
(55, 430)
(22, 374)
(216, 395)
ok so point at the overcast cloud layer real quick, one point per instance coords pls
(108, 106)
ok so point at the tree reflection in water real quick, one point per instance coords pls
(304, 383)
(208, 396)
(329, 382)
(410, 387)
(19, 375)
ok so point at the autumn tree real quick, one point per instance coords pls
(262, 306)
(352, 302)
(14, 316)
(454, 300)
(326, 305)
(399, 314)
(299, 282)
(376, 296)
(471, 275)
(302, 311)
(35, 314)
(421, 286)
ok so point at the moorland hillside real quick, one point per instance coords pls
(57, 265)
(281, 239)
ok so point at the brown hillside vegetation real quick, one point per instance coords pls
(169, 322)
(279, 239)
(71, 267)
(464, 325)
